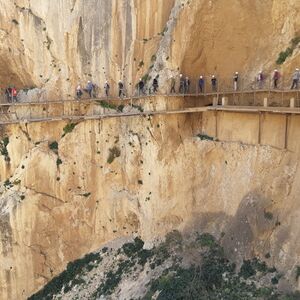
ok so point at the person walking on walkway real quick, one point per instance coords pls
(260, 80)
(187, 84)
(14, 94)
(78, 91)
(8, 94)
(155, 84)
(181, 84)
(214, 83)
(121, 89)
(276, 77)
(173, 83)
(201, 84)
(235, 81)
(295, 79)
(106, 88)
(141, 86)
(90, 88)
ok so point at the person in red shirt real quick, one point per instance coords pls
(14, 94)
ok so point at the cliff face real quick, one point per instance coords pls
(55, 45)
(145, 175)
(138, 176)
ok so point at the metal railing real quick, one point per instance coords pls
(245, 93)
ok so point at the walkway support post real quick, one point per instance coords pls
(287, 122)
(224, 101)
(265, 102)
(292, 103)
(215, 101)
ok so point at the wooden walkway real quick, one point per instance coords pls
(60, 110)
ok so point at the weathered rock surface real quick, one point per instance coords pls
(53, 45)
(142, 175)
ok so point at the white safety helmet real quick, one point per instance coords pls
(236, 73)
(140, 79)
(275, 70)
(89, 81)
(180, 75)
(297, 69)
(213, 76)
(201, 77)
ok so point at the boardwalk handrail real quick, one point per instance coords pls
(72, 109)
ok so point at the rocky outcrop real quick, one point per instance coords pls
(53, 47)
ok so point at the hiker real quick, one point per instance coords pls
(201, 84)
(141, 86)
(89, 88)
(276, 77)
(187, 84)
(213, 83)
(14, 94)
(8, 94)
(181, 84)
(155, 85)
(78, 91)
(106, 88)
(235, 81)
(173, 83)
(121, 89)
(295, 78)
(260, 79)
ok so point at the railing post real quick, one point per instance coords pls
(215, 101)
(292, 103)
(30, 110)
(265, 102)
(224, 101)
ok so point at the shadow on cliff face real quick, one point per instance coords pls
(248, 233)
(245, 235)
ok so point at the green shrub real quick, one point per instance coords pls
(113, 153)
(297, 272)
(86, 195)
(3, 148)
(268, 215)
(8, 184)
(53, 146)
(106, 104)
(138, 107)
(250, 267)
(283, 55)
(68, 128)
(68, 278)
(58, 162)
(131, 248)
(174, 238)
(205, 137)
(206, 240)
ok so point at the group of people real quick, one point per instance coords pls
(185, 84)
(11, 94)
(260, 82)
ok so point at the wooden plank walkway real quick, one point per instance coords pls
(256, 109)
(11, 117)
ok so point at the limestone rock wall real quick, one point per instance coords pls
(53, 45)
(57, 205)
